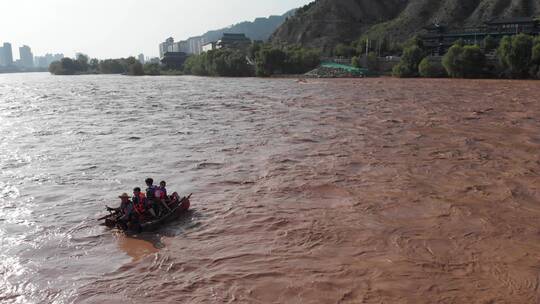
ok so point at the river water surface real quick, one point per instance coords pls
(325, 191)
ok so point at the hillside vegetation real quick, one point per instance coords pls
(325, 23)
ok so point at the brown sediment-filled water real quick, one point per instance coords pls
(330, 191)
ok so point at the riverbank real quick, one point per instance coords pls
(4, 70)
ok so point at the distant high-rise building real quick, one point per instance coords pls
(141, 58)
(193, 45)
(167, 46)
(196, 44)
(27, 58)
(183, 46)
(45, 61)
(6, 55)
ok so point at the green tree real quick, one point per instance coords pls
(94, 64)
(521, 55)
(473, 60)
(375, 45)
(300, 60)
(408, 65)
(82, 63)
(254, 48)
(228, 62)
(412, 42)
(196, 65)
(425, 68)
(221, 62)
(356, 62)
(452, 61)
(344, 50)
(270, 61)
(67, 67)
(460, 42)
(372, 61)
(489, 44)
(515, 54)
(55, 68)
(151, 69)
(111, 66)
(430, 69)
(535, 56)
(360, 46)
(135, 69)
(464, 61)
(127, 62)
(402, 70)
(535, 59)
(290, 60)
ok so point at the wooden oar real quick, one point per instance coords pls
(110, 213)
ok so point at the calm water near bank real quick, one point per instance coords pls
(324, 191)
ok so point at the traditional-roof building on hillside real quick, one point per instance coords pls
(174, 60)
(526, 25)
(440, 38)
(234, 41)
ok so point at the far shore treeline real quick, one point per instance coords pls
(516, 57)
(513, 57)
(258, 59)
(83, 65)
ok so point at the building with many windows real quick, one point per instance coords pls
(6, 55)
(45, 61)
(196, 45)
(193, 45)
(440, 38)
(183, 46)
(167, 46)
(26, 57)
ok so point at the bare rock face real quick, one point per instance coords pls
(324, 23)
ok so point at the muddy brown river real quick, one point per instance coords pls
(325, 191)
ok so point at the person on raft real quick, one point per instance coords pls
(126, 205)
(125, 210)
(161, 194)
(154, 196)
(161, 191)
(141, 204)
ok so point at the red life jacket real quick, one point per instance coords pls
(139, 204)
(161, 193)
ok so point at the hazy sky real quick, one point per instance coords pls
(119, 28)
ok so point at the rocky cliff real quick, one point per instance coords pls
(324, 23)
